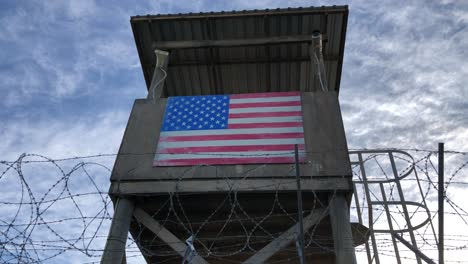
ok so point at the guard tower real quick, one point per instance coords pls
(269, 185)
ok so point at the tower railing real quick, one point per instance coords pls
(378, 188)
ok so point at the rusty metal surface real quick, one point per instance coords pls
(244, 69)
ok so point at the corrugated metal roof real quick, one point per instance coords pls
(243, 69)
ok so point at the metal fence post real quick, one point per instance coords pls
(441, 203)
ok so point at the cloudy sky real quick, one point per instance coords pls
(69, 72)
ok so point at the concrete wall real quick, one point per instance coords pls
(324, 137)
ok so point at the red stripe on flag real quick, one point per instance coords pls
(263, 95)
(231, 137)
(188, 150)
(266, 125)
(215, 161)
(264, 104)
(271, 114)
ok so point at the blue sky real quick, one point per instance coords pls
(69, 72)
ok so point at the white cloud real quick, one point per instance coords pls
(410, 75)
(73, 136)
(56, 48)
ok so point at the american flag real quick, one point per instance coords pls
(231, 129)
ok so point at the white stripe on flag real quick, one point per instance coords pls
(265, 119)
(226, 155)
(265, 109)
(248, 142)
(232, 131)
(264, 99)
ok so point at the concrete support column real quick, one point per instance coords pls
(341, 228)
(114, 251)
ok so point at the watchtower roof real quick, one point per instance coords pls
(242, 51)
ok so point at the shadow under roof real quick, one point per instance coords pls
(198, 68)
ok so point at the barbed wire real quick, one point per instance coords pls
(54, 210)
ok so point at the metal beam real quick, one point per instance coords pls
(370, 215)
(258, 13)
(191, 44)
(114, 250)
(414, 249)
(256, 60)
(165, 235)
(300, 237)
(226, 185)
(286, 238)
(441, 203)
(390, 222)
(403, 204)
(358, 210)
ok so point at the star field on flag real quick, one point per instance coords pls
(196, 113)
